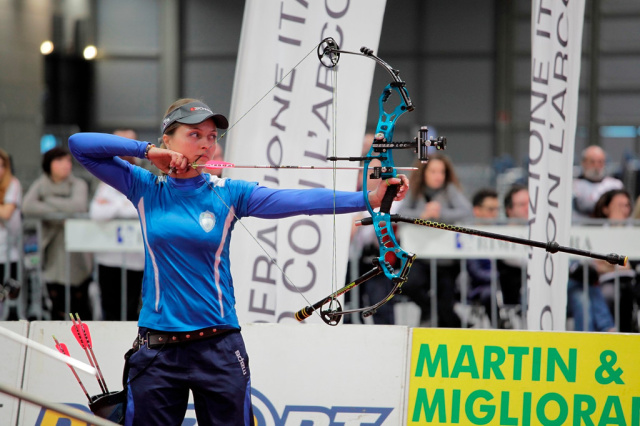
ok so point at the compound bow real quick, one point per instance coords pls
(394, 262)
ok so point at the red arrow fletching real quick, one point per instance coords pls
(62, 348)
(87, 335)
(79, 335)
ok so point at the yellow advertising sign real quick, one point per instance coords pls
(523, 378)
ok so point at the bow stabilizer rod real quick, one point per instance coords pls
(550, 246)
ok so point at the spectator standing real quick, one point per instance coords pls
(486, 208)
(10, 221)
(107, 204)
(435, 194)
(516, 209)
(54, 196)
(10, 218)
(615, 207)
(592, 182)
(599, 316)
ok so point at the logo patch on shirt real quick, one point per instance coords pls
(207, 221)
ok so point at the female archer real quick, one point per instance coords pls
(188, 324)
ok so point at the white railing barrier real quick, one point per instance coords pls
(431, 243)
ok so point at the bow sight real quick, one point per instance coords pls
(380, 145)
(329, 55)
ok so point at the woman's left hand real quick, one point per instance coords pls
(375, 197)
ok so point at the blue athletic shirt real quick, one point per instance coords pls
(186, 229)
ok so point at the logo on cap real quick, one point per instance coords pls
(201, 109)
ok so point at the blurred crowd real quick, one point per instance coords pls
(476, 292)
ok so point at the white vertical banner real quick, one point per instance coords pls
(556, 37)
(283, 113)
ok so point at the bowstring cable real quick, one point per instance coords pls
(334, 272)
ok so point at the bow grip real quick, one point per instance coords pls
(389, 195)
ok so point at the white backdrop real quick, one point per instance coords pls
(293, 125)
(556, 34)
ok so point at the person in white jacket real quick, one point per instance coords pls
(592, 182)
(107, 204)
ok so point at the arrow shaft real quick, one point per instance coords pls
(73, 370)
(294, 167)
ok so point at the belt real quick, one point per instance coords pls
(160, 338)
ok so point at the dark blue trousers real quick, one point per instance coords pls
(216, 370)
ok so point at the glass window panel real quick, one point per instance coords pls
(522, 34)
(620, 72)
(459, 91)
(127, 92)
(212, 26)
(448, 29)
(619, 109)
(620, 6)
(468, 146)
(618, 150)
(209, 80)
(404, 15)
(522, 72)
(620, 34)
(128, 27)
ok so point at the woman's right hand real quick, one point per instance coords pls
(169, 162)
